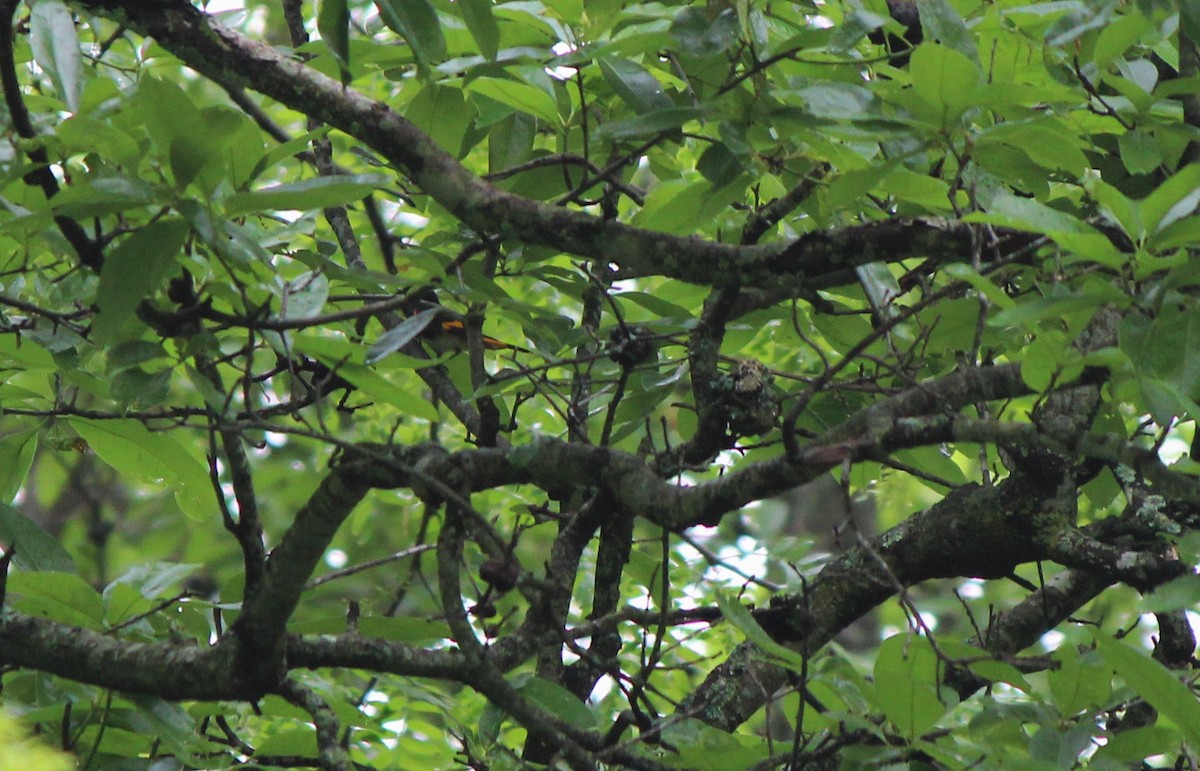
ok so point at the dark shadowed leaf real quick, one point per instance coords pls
(316, 193)
(417, 23)
(634, 84)
(698, 35)
(36, 550)
(333, 23)
(135, 269)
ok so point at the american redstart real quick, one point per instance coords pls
(450, 336)
(445, 331)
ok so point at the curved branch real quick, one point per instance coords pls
(260, 629)
(815, 261)
(973, 531)
(333, 756)
(919, 416)
(169, 670)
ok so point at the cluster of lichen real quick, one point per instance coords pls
(748, 398)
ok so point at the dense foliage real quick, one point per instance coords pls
(716, 385)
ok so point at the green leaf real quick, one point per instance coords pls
(131, 353)
(510, 141)
(442, 113)
(1117, 207)
(417, 22)
(1070, 232)
(292, 147)
(546, 696)
(718, 165)
(1047, 143)
(333, 22)
(156, 458)
(933, 461)
(1080, 682)
(18, 750)
(140, 389)
(1139, 152)
(1184, 232)
(704, 748)
(1166, 348)
(304, 297)
(85, 134)
(418, 631)
(16, 456)
(315, 193)
(55, 44)
(696, 35)
(1080, 19)
(634, 84)
(166, 721)
(1037, 309)
(737, 614)
(59, 596)
(1135, 744)
(852, 185)
(519, 96)
(838, 101)
(1118, 36)
(36, 550)
(374, 383)
(651, 123)
(656, 304)
(941, 22)
(295, 741)
(553, 699)
(992, 670)
(482, 24)
(906, 684)
(18, 354)
(1173, 200)
(402, 334)
(122, 602)
(1048, 360)
(683, 206)
(215, 139)
(1189, 20)
(946, 80)
(1177, 594)
(1165, 401)
(1154, 683)
(134, 270)
(569, 11)
(155, 579)
(881, 287)
(103, 196)
(981, 284)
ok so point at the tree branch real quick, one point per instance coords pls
(814, 261)
(169, 670)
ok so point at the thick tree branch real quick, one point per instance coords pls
(261, 626)
(917, 417)
(974, 531)
(815, 261)
(356, 651)
(169, 670)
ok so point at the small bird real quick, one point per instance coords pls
(440, 328)
(449, 335)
